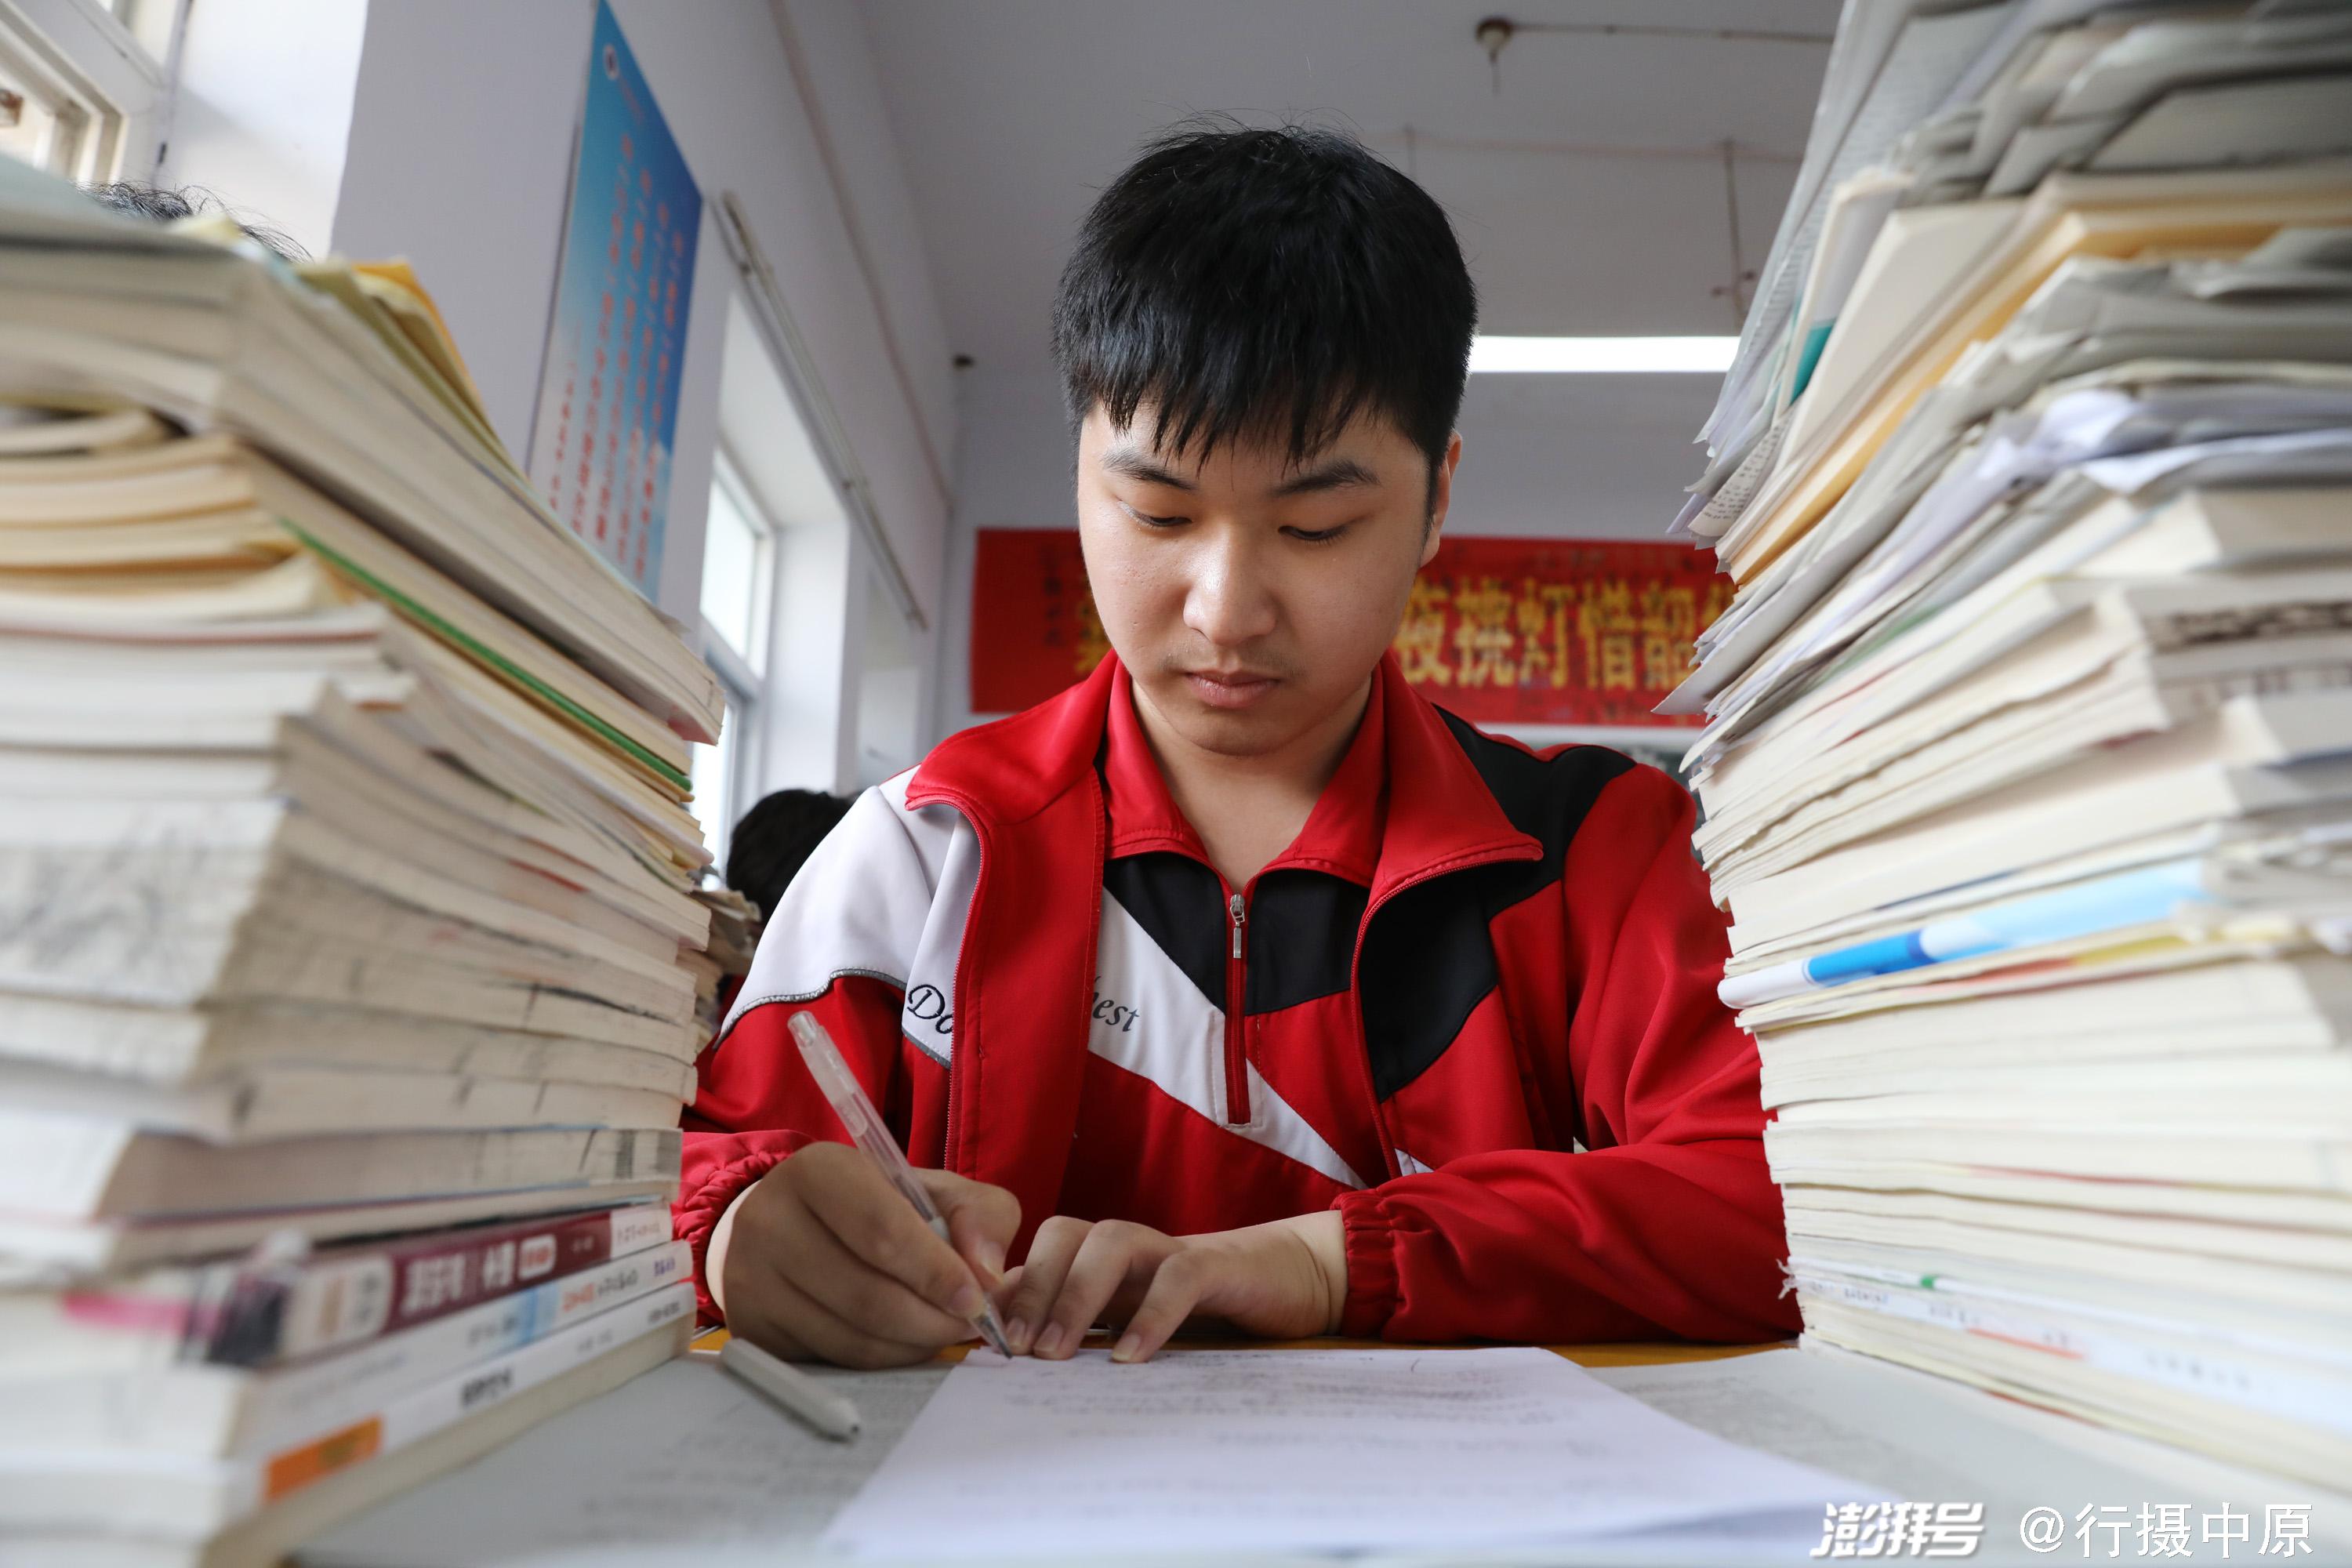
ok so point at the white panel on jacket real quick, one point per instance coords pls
(885, 896)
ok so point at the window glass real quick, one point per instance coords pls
(731, 574)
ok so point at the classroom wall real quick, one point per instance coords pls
(461, 149)
(261, 110)
(1593, 457)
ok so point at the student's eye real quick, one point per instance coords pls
(1315, 535)
(1149, 521)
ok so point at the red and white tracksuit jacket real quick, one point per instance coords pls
(1472, 1007)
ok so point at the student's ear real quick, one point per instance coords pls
(1441, 495)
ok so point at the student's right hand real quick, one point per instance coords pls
(823, 1258)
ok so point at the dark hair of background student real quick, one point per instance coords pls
(1269, 285)
(169, 207)
(774, 839)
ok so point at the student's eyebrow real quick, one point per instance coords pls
(1131, 464)
(1340, 473)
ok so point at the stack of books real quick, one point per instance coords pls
(720, 966)
(2027, 768)
(348, 927)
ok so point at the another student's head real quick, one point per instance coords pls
(1263, 335)
(164, 205)
(769, 844)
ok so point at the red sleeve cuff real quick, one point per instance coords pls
(697, 1213)
(1372, 1265)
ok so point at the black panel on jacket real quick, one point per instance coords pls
(1547, 801)
(1428, 959)
(1427, 962)
(1180, 905)
(1302, 938)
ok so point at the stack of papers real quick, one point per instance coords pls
(1216, 1453)
(2028, 767)
(347, 889)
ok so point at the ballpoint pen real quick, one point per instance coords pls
(867, 1130)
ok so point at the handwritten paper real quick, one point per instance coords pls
(1299, 1451)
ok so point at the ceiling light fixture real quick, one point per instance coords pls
(1589, 356)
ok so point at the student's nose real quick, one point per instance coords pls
(1230, 602)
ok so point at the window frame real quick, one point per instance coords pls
(111, 83)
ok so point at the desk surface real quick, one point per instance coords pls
(1645, 1353)
(687, 1468)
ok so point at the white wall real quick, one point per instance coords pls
(1589, 456)
(461, 145)
(262, 108)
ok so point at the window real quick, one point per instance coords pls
(732, 549)
(82, 84)
(738, 573)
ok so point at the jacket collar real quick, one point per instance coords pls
(1428, 811)
(1441, 817)
(1011, 769)
(1341, 836)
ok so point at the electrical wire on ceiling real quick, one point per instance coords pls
(1493, 35)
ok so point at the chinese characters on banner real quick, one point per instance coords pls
(1557, 631)
(1500, 631)
(600, 447)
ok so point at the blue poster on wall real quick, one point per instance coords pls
(600, 445)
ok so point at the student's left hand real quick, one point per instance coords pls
(1286, 1280)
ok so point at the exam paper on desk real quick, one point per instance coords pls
(1299, 1451)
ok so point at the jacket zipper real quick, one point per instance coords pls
(1237, 1093)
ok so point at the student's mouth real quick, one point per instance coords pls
(1229, 689)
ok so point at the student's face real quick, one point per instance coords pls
(1248, 596)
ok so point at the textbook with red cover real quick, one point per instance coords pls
(260, 1312)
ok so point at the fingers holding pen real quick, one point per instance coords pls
(791, 1323)
(981, 1220)
(863, 1234)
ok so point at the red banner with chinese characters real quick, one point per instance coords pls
(1501, 631)
(1557, 631)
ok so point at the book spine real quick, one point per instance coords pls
(268, 1318)
(264, 1478)
(288, 1405)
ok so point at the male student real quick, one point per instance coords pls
(1239, 982)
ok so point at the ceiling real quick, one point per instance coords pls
(1589, 193)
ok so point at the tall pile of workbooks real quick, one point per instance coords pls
(346, 906)
(2028, 773)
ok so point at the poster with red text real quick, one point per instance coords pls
(1501, 631)
(608, 416)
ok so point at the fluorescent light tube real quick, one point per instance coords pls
(1572, 356)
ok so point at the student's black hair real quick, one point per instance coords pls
(164, 205)
(774, 838)
(1265, 285)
